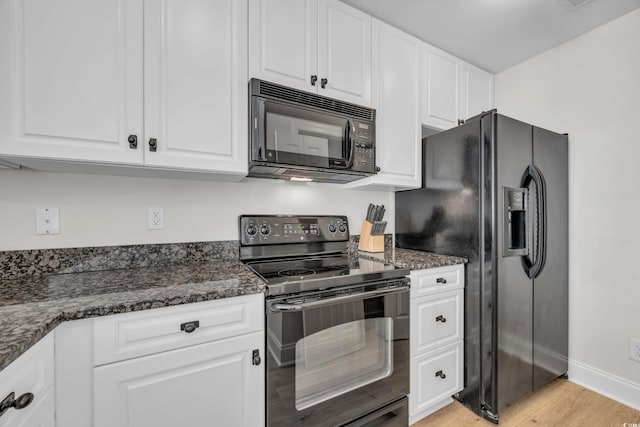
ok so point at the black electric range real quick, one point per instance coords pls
(305, 253)
(337, 326)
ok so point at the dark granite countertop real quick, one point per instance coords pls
(31, 307)
(32, 304)
(414, 260)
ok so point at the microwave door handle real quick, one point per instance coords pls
(349, 140)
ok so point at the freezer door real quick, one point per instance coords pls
(507, 369)
(550, 287)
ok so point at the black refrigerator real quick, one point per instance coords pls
(495, 190)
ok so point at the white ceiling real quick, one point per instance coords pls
(495, 34)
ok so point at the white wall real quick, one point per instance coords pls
(101, 210)
(590, 88)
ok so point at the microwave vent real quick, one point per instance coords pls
(293, 95)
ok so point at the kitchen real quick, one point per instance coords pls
(586, 87)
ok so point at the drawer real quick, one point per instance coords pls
(434, 280)
(125, 336)
(32, 372)
(435, 376)
(436, 320)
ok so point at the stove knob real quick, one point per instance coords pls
(251, 230)
(332, 228)
(265, 230)
(342, 228)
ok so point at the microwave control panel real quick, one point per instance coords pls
(364, 159)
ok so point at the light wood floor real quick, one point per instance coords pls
(561, 403)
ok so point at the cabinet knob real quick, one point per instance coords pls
(314, 79)
(441, 280)
(10, 401)
(153, 144)
(441, 374)
(323, 83)
(133, 141)
(441, 318)
(460, 122)
(256, 358)
(189, 327)
(377, 168)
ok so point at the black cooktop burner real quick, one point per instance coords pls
(286, 270)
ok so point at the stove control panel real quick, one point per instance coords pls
(278, 229)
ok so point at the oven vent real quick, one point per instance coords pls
(293, 95)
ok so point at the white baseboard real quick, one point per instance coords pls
(614, 387)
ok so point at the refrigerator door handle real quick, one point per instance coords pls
(534, 267)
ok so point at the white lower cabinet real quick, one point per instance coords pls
(191, 365)
(33, 373)
(435, 376)
(437, 320)
(213, 384)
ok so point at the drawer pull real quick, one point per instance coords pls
(189, 327)
(441, 318)
(441, 280)
(441, 374)
(10, 401)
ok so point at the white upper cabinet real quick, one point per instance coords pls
(107, 82)
(320, 46)
(283, 42)
(75, 88)
(396, 98)
(453, 90)
(441, 88)
(477, 87)
(344, 52)
(195, 84)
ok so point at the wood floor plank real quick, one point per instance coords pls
(560, 403)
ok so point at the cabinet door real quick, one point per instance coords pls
(77, 81)
(435, 376)
(32, 372)
(436, 321)
(395, 96)
(283, 42)
(213, 384)
(441, 90)
(477, 91)
(344, 52)
(195, 85)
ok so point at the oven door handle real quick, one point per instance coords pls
(280, 307)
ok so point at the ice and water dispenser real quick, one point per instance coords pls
(515, 222)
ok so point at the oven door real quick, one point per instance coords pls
(292, 134)
(332, 360)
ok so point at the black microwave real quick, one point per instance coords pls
(296, 135)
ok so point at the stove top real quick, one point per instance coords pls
(294, 254)
(294, 275)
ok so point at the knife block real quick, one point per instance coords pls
(369, 243)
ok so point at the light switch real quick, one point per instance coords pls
(47, 220)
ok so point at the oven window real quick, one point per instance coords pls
(341, 358)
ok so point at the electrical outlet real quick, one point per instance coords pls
(634, 349)
(155, 220)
